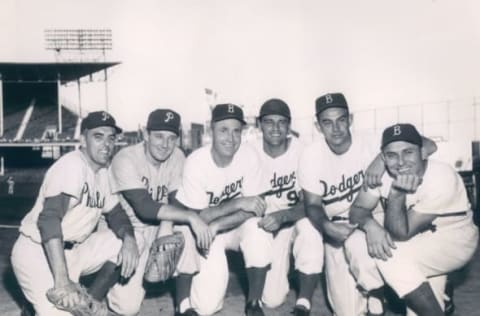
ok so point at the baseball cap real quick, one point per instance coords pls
(275, 106)
(330, 100)
(99, 119)
(227, 111)
(401, 132)
(164, 120)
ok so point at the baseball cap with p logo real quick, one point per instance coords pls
(227, 111)
(401, 132)
(164, 120)
(99, 119)
(330, 100)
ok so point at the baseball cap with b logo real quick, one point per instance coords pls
(227, 111)
(164, 120)
(99, 119)
(330, 100)
(401, 132)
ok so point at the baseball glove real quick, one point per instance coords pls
(163, 258)
(87, 306)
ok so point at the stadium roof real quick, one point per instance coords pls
(49, 72)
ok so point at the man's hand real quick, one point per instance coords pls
(201, 231)
(407, 183)
(374, 174)
(271, 222)
(379, 241)
(65, 294)
(252, 204)
(128, 256)
(338, 232)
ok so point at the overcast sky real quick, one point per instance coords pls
(379, 53)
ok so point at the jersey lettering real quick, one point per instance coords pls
(230, 191)
(346, 188)
(282, 183)
(158, 193)
(92, 199)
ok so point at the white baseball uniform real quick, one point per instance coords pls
(281, 174)
(91, 196)
(130, 170)
(337, 179)
(206, 185)
(432, 254)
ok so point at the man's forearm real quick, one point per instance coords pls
(317, 216)
(175, 214)
(231, 221)
(360, 216)
(56, 259)
(216, 212)
(396, 220)
(293, 214)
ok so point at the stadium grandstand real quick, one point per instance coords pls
(35, 128)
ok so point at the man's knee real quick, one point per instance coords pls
(129, 304)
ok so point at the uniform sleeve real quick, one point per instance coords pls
(124, 173)
(255, 182)
(175, 179)
(307, 173)
(191, 192)
(111, 198)
(440, 195)
(66, 176)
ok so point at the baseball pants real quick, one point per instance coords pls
(210, 284)
(308, 255)
(33, 271)
(126, 299)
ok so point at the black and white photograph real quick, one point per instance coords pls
(257, 158)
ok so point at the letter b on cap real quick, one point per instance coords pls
(231, 109)
(328, 98)
(397, 130)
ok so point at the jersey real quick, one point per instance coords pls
(131, 169)
(441, 192)
(337, 178)
(91, 196)
(281, 174)
(205, 184)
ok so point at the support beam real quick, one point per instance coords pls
(1, 106)
(106, 89)
(59, 105)
(79, 98)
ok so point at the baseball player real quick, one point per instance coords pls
(147, 176)
(223, 182)
(428, 221)
(285, 215)
(331, 172)
(57, 241)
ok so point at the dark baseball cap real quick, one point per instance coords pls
(330, 100)
(401, 132)
(227, 111)
(164, 120)
(275, 106)
(99, 119)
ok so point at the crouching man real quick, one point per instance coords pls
(427, 230)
